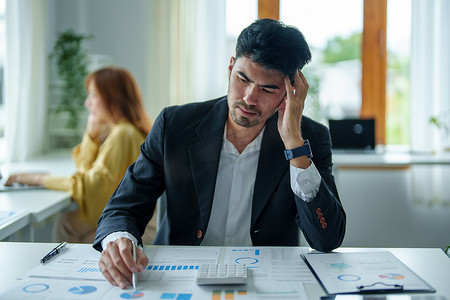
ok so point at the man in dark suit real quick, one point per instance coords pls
(238, 170)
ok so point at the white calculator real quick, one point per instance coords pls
(208, 274)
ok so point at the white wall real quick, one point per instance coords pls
(119, 29)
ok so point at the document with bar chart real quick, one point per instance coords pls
(274, 273)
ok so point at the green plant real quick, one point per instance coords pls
(71, 63)
(442, 122)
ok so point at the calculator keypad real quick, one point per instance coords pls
(221, 274)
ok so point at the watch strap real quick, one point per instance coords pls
(300, 151)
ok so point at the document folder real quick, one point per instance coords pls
(364, 273)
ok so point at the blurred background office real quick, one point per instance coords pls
(385, 60)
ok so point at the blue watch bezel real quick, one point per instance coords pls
(300, 151)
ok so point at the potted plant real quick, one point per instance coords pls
(442, 122)
(71, 64)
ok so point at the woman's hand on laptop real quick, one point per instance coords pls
(33, 179)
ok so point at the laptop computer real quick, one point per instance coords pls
(352, 135)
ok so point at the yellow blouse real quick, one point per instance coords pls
(99, 169)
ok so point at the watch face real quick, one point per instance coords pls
(308, 149)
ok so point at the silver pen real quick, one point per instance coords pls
(134, 275)
(55, 251)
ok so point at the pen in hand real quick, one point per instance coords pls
(134, 276)
(55, 251)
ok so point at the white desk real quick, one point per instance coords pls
(39, 204)
(394, 199)
(14, 223)
(430, 264)
(392, 159)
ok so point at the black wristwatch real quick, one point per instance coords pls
(300, 151)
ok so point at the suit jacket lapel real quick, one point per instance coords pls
(204, 156)
(272, 166)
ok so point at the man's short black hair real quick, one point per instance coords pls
(274, 45)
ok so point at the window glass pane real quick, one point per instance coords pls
(333, 30)
(2, 60)
(239, 14)
(397, 85)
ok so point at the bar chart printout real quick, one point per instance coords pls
(228, 294)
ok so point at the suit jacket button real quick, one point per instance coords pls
(319, 215)
(199, 234)
(324, 225)
(318, 210)
(322, 221)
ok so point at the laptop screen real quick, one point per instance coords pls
(352, 134)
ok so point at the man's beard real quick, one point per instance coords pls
(241, 120)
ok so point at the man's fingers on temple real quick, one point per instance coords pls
(289, 89)
(303, 80)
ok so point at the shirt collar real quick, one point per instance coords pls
(254, 145)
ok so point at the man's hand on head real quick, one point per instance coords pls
(290, 117)
(291, 110)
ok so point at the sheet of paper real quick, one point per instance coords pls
(345, 272)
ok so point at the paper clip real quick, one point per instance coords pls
(370, 288)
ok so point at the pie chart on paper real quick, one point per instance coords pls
(394, 276)
(83, 289)
(246, 260)
(35, 288)
(132, 295)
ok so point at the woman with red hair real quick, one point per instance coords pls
(116, 127)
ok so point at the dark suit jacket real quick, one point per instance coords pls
(181, 157)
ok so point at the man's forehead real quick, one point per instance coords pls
(244, 63)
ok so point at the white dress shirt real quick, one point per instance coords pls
(229, 222)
